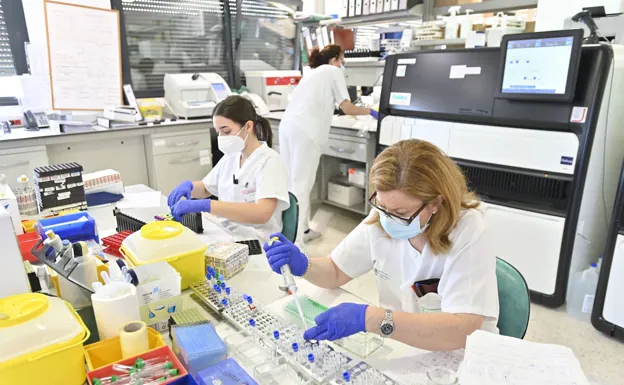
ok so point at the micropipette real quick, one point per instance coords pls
(289, 282)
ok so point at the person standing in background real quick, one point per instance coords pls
(304, 129)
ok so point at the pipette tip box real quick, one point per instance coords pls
(198, 346)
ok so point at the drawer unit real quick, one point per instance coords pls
(171, 169)
(346, 146)
(180, 142)
(22, 161)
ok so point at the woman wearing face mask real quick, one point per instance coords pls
(250, 180)
(304, 129)
(424, 239)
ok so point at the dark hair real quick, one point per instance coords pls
(240, 110)
(318, 58)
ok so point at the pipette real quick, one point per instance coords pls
(289, 282)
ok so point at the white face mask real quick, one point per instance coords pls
(342, 67)
(231, 144)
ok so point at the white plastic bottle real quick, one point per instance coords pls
(452, 25)
(580, 299)
(466, 27)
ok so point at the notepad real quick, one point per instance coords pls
(494, 359)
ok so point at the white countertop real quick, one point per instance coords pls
(398, 360)
(22, 134)
(359, 123)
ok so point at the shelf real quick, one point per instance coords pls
(490, 6)
(344, 180)
(423, 43)
(360, 208)
(415, 13)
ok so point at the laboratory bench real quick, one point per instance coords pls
(352, 142)
(402, 362)
(158, 155)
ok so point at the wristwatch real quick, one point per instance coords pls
(387, 325)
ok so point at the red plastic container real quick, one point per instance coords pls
(164, 352)
(113, 243)
(26, 242)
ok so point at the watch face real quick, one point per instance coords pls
(387, 329)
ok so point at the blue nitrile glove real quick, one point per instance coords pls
(338, 322)
(284, 252)
(374, 114)
(186, 206)
(184, 189)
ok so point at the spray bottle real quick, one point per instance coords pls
(466, 26)
(452, 25)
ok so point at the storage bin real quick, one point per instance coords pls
(226, 372)
(171, 242)
(357, 176)
(164, 352)
(46, 336)
(107, 352)
(344, 195)
(72, 227)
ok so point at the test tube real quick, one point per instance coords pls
(346, 376)
(276, 337)
(224, 302)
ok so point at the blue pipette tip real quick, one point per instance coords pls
(276, 335)
(252, 322)
(346, 376)
(295, 347)
(228, 290)
(311, 357)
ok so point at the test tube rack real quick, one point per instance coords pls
(364, 374)
(126, 222)
(191, 220)
(328, 365)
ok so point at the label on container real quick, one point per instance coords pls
(579, 115)
(588, 303)
(401, 71)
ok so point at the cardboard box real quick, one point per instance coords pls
(344, 195)
(357, 176)
(8, 201)
(160, 295)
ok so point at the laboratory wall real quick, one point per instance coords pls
(552, 13)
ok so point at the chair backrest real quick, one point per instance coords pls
(514, 300)
(290, 218)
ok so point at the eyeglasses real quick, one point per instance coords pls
(406, 221)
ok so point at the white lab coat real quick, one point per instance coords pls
(304, 130)
(262, 176)
(467, 272)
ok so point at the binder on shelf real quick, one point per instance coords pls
(394, 5)
(344, 11)
(373, 7)
(365, 7)
(380, 6)
(358, 7)
(351, 8)
(387, 5)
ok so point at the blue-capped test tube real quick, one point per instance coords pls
(276, 337)
(346, 376)
(224, 302)
(222, 285)
(228, 291)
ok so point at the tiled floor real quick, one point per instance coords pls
(602, 358)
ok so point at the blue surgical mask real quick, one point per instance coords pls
(398, 230)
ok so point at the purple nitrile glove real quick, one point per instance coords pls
(284, 252)
(190, 206)
(374, 114)
(338, 322)
(184, 189)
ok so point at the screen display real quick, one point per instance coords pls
(537, 66)
(218, 87)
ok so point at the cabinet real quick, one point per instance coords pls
(175, 157)
(22, 161)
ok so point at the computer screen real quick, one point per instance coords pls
(218, 87)
(538, 66)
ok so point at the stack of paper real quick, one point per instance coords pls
(491, 359)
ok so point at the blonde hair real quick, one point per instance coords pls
(421, 170)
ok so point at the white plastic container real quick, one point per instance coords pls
(357, 176)
(452, 24)
(344, 195)
(466, 26)
(581, 293)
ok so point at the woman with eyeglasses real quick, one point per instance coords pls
(424, 239)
